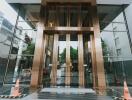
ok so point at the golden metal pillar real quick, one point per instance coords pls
(68, 61)
(37, 61)
(93, 57)
(54, 61)
(45, 39)
(101, 81)
(80, 60)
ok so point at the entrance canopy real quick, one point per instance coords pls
(120, 2)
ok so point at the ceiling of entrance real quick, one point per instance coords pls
(106, 15)
(98, 1)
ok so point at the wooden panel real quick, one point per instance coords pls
(68, 65)
(80, 60)
(37, 61)
(54, 60)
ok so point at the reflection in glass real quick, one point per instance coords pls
(87, 61)
(85, 16)
(51, 16)
(23, 43)
(74, 16)
(74, 59)
(62, 16)
(6, 34)
(7, 12)
(62, 61)
(19, 68)
(48, 60)
(20, 44)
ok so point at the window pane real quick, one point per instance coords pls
(52, 19)
(74, 16)
(74, 59)
(85, 16)
(62, 16)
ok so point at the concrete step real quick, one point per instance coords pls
(68, 90)
(70, 94)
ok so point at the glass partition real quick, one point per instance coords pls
(116, 45)
(61, 69)
(17, 42)
(74, 60)
(47, 68)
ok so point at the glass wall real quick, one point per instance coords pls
(74, 59)
(47, 68)
(17, 41)
(87, 60)
(7, 25)
(61, 69)
(116, 44)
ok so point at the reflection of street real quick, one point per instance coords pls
(61, 74)
(25, 75)
(119, 90)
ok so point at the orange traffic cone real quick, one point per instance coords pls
(15, 91)
(127, 95)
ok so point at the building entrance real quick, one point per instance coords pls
(67, 61)
(70, 35)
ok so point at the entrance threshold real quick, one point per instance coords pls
(68, 90)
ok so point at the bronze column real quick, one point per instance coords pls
(54, 61)
(101, 81)
(80, 60)
(68, 63)
(37, 61)
(93, 57)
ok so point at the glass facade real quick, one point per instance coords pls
(17, 44)
(68, 49)
(67, 67)
(116, 45)
(74, 59)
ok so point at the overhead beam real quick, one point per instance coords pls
(68, 28)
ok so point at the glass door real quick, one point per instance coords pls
(61, 69)
(66, 60)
